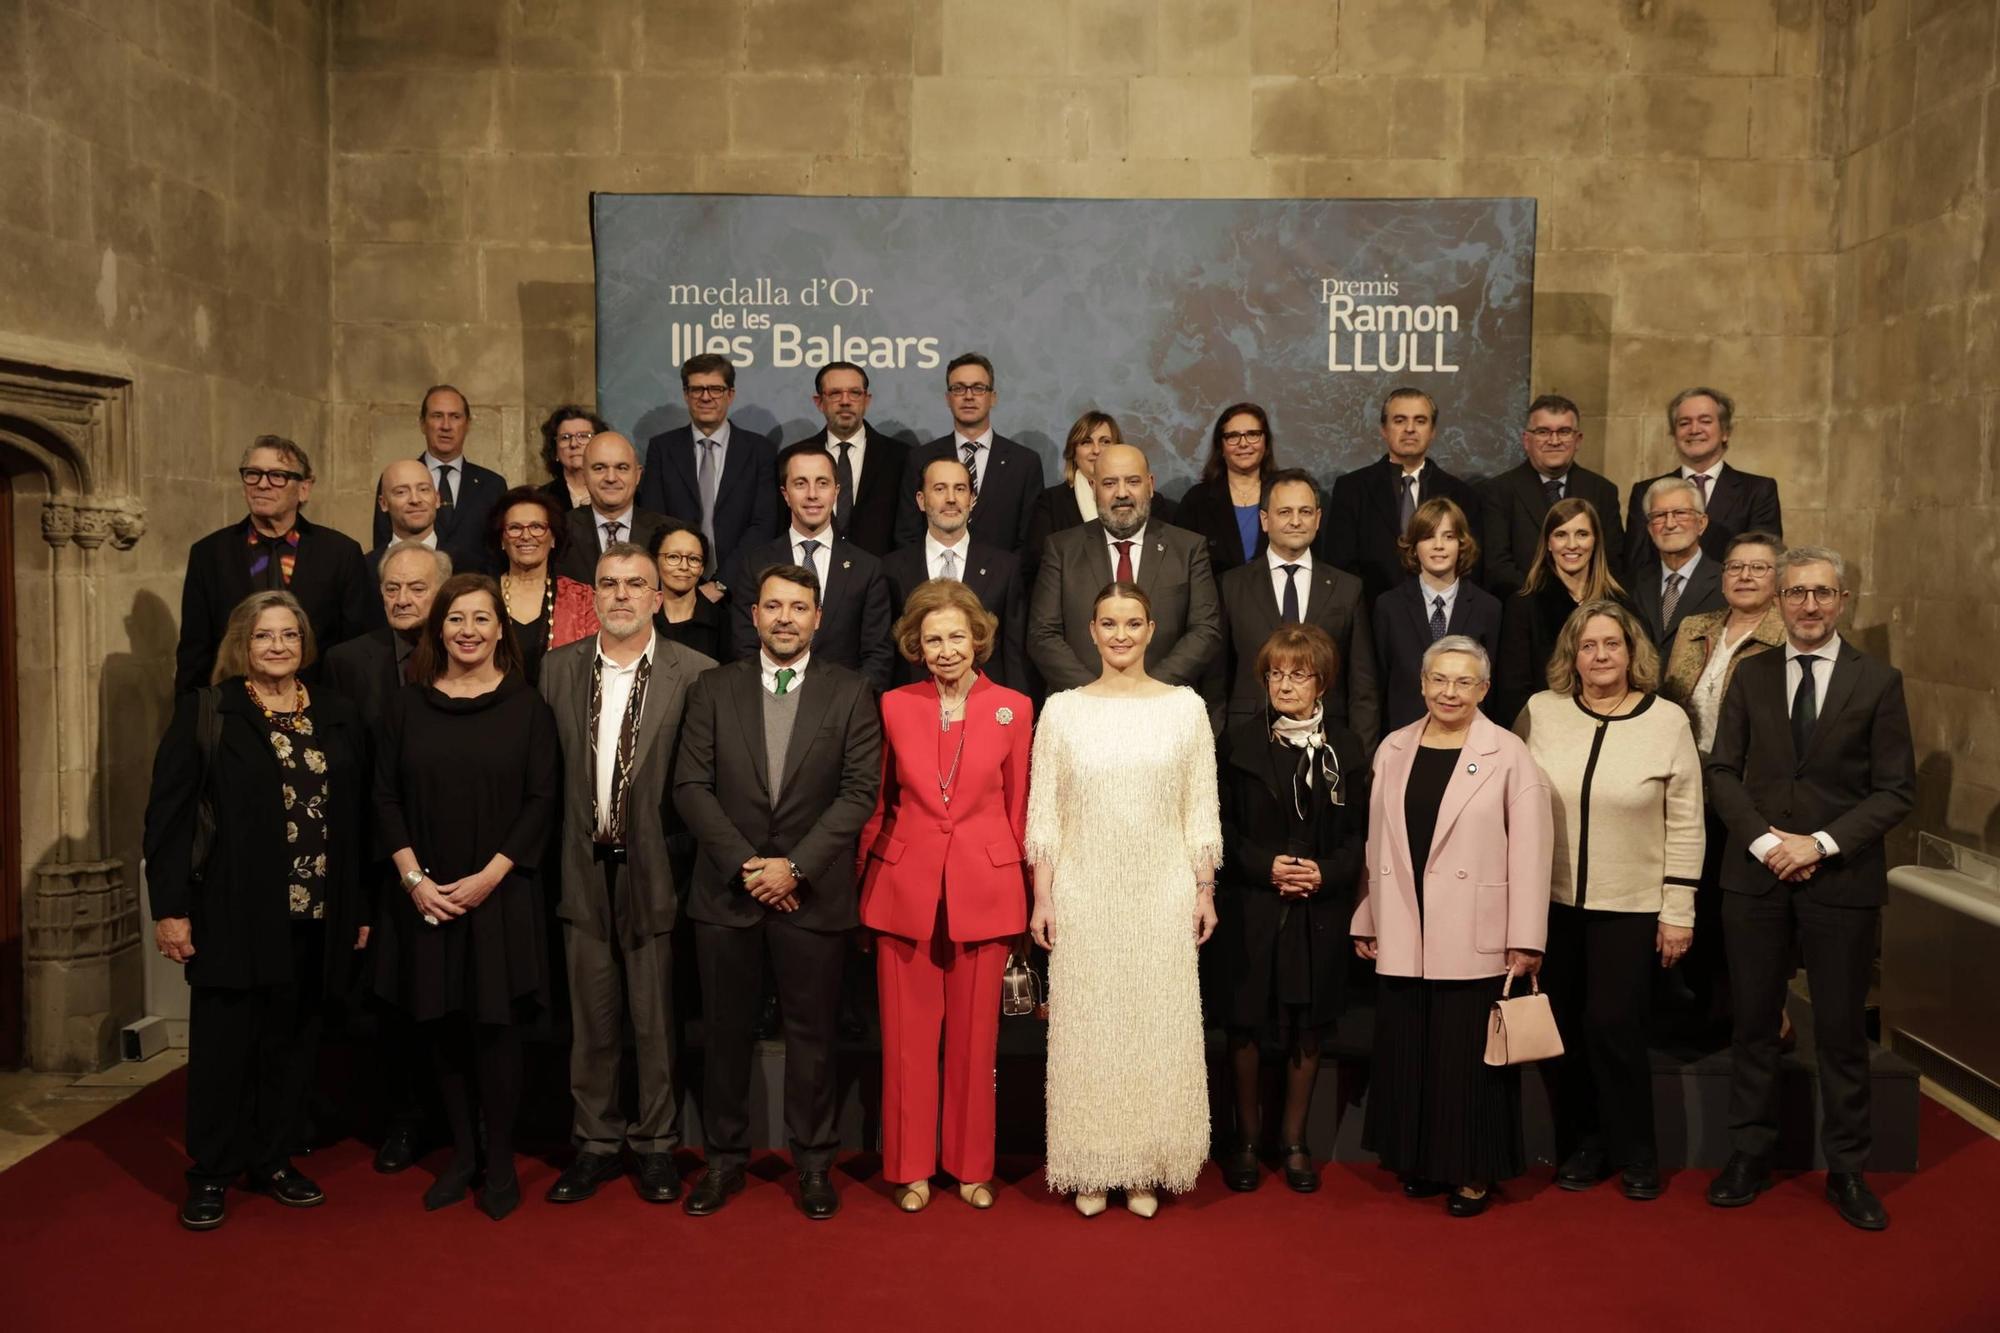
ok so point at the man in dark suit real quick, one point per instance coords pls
(273, 547)
(407, 495)
(612, 474)
(617, 699)
(780, 761)
(1006, 476)
(854, 625)
(948, 551)
(1516, 501)
(1372, 505)
(466, 492)
(1121, 543)
(1811, 769)
(1681, 579)
(868, 464)
(1699, 420)
(1284, 586)
(712, 473)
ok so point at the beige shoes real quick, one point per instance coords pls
(978, 1193)
(1090, 1205)
(914, 1197)
(1142, 1203)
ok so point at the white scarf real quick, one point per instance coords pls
(1086, 497)
(1319, 761)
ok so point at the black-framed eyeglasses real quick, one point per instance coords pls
(967, 390)
(1243, 437)
(269, 476)
(707, 390)
(1560, 434)
(1796, 596)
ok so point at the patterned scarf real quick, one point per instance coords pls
(261, 553)
(613, 821)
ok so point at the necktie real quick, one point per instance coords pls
(1437, 619)
(1553, 488)
(612, 528)
(1670, 598)
(1124, 571)
(1805, 707)
(950, 562)
(1701, 484)
(1407, 508)
(707, 476)
(807, 551)
(784, 675)
(843, 474)
(969, 455)
(446, 498)
(1289, 611)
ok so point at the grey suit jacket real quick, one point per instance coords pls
(565, 686)
(1173, 569)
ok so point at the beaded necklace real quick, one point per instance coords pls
(548, 603)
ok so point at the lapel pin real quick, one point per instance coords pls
(1003, 716)
(847, 564)
(982, 572)
(1472, 768)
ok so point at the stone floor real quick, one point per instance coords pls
(37, 1109)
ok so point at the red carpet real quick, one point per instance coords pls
(88, 1240)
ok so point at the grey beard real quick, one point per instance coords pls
(1108, 517)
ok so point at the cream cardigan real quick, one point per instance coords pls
(1627, 798)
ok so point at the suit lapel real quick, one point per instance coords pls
(1401, 757)
(680, 461)
(1151, 551)
(813, 700)
(1847, 665)
(1411, 591)
(661, 685)
(750, 715)
(737, 464)
(1468, 775)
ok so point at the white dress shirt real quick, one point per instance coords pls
(1827, 653)
(934, 551)
(616, 693)
(982, 445)
(1685, 571)
(770, 671)
(857, 449)
(1449, 592)
(1278, 580)
(822, 559)
(437, 466)
(1138, 540)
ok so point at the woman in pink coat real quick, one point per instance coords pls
(1459, 797)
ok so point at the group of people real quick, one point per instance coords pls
(1477, 736)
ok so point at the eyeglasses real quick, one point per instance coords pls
(681, 560)
(518, 530)
(1756, 569)
(635, 586)
(707, 390)
(264, 638)
(1662, 517)
(1822, 596)
(1460, 683)
(967, 390)
(575, 437)
(1243, 437)
(1560, 434)
(268, 476)
(1294, 677)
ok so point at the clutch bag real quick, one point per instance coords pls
(1523, 1028)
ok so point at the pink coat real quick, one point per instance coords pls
(1486, 883)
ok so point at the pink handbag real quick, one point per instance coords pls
(1523, 1028)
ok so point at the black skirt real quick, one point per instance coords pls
(489, 964)
(1436, 1110)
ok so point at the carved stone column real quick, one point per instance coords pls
(83, 976)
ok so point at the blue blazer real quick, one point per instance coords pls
(746, 500)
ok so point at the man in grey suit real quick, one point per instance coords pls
(618, 698)
(1684, 580)
(1169, 563)
(611, 473)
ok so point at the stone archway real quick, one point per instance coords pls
(65, 442)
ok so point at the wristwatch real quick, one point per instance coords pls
(1825, 847)
(798, 875)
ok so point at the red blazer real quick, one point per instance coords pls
(915, 848)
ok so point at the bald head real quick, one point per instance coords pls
(1124, 489)
(610, 472)
(408, 496)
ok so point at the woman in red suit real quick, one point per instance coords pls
(944, 883)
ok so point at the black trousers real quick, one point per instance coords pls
(251, 1054)
(807, 965)
(1765, 936)
(1598, 973)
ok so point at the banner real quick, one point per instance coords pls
(1160, 312)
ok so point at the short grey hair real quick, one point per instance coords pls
(1725, 406)
(627, 551)
(289, 450)
(1673, 481)
(1795, 556)
(1459, 643)
(403, 547)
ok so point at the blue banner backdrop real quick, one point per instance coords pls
(1160, 312)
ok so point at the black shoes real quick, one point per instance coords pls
(449, 1188)
(816, 1197)
(1242, 1172)
(659, 1180)
(1741, 1181)
(712, 1190)
(287, 1186)
(398, 1151)
(1415, 1187)
(1465, 1205)
(203, 1208)
(1300, 1179)
(581, 1177)
(1858, 1206)
(497, 1199)
(1583, 1169)
(1641, 1181)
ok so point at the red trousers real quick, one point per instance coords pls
(926, 986)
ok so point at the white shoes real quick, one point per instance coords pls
(1142, 1203)
(1090, 1205)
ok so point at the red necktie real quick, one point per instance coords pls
(1124, 574)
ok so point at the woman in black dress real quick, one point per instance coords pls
(263, 905)
(543, 609)
(1571, 567)
(565, 432)
(1224, 505)
(687, 614)
(465, 796)
(1294, 812)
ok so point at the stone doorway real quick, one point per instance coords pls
(11, 974)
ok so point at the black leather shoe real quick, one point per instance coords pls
(659, 1180)
(449, 1188)
(1583, 1169)
(288, 1187)
(496, 1200)
(398, 1151)
(1741, 1181)
(1300, 1180)
(1242, 1172)
(1415, 1187)
(816, 1197)
(1858, 1206)
(581, 1177)
(1460, 1205)
(712, 1191)
(203, 1209)
(1641, 1181)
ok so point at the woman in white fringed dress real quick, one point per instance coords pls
(1124, 832)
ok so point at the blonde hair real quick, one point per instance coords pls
(1642, 659)
(232, 655)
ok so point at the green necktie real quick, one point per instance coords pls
(785, 675)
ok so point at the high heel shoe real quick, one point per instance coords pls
(1141, 1203)
(978, 1193)
(1300, 1179)
(914, 1197)
(1090, 1204)
(449, 1188)
(496, 1200)
(1241, 1171)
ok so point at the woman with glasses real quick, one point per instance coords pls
(543, 609)
(254, 849)
(1571, 567)
(1294, 807)
(686, 616)
(565, 432)
(1224, 505)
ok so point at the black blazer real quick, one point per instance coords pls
(722, 788)
(1855, 782)
(706, 631)
(464, 529)
(1055, 510)
(995, 578)
(1515, 505)
(1529, 627)
(582, 545)
(1208, 510)
(854, 621)
(1007, 491)
(1738, 502)
(1703, 592)
(746, 499)
(1363, 521)
(330, 579)
(1403, 631)
(364, 671)
(1332, 601)
(236, 905)
(871, 523)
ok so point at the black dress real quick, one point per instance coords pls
(457, 780)
(705, 631)
(1436, 1110)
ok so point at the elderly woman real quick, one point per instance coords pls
(1571, 567)
(1454, 903)
(1224, 506)
(1626, 781)
(1294, 810)
(543, 609)
(254, 850)
(944, 884)
(1124, 833)
(1440, 550)
(1071, 502)
(565, 432)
